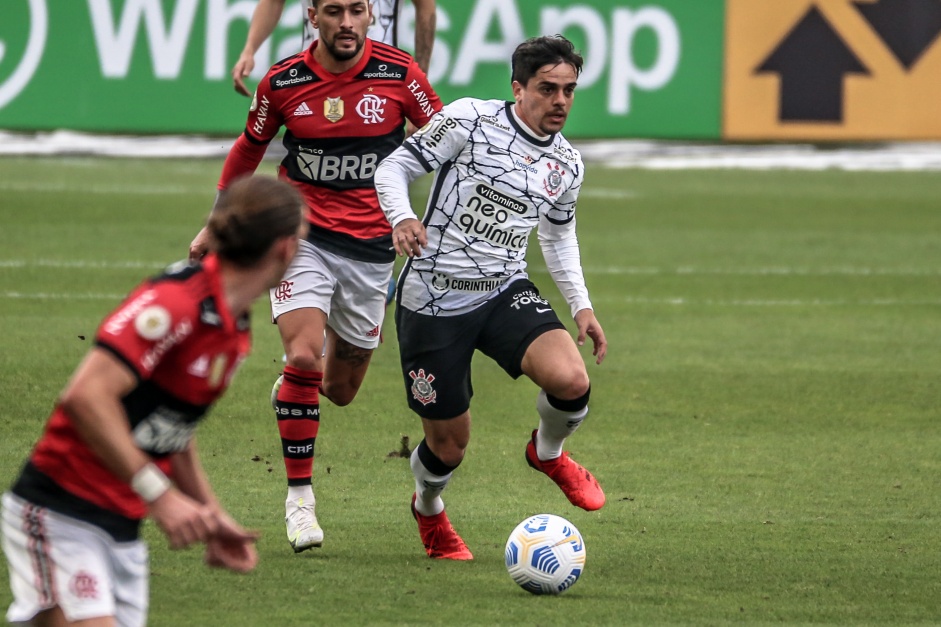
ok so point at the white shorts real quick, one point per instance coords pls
(55, 560)
(351, 293)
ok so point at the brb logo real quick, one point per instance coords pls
(32, 45)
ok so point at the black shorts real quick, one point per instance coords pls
(436, 351)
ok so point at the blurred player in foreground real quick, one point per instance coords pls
(501, 170)
(385, 28)
(343, 103)
(120, 443)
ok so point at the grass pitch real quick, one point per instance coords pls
(765, 426)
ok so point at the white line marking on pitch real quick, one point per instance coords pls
(61, 296)
(765, 271)
(81, 265)
(607, 193)
(815, 302)
(630, 300)
(79, 187)
(613, 270)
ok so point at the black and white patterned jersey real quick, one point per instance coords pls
(495, 182)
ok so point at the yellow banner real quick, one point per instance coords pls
(832, 70)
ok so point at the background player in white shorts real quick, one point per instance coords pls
(120, 445)
(384, 28)
(501, 170)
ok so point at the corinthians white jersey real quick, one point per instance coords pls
(494, 183)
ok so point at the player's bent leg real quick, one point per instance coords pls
(432, 473)
(448, 439)
(302, 334)
(345, 368)
(297, 407)
(296, 401)
(552, 361)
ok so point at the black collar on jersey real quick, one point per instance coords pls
(525, 132)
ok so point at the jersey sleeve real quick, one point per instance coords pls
(563, 209)
(264, 122)
(147, 326)
(559, 243)
(421, 102)
(264, 116)
(443, 138)
(243, 158)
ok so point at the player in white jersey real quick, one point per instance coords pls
(385, 28)
(501, 170)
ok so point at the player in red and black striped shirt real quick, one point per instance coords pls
(343, 104)
(124, 427)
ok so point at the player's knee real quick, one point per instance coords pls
(340, 394)
(303, 360)
(449, 450)
(304, 355)
(574, 385)
(452, 456)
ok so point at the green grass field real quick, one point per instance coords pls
(765, 426)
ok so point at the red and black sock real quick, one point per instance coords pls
(298, 410)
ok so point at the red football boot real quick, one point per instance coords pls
(577, 483)
(439, 537)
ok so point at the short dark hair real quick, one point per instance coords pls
(250, 215)
(536, 52)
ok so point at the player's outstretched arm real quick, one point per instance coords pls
(589, 326)
(264, 19)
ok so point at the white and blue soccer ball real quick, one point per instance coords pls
(545, 554)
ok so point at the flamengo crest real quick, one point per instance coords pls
(372, 109)
(283, 291)
(421, 386)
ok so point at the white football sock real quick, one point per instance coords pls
(555, 425)
(305, 492)
(428, 487)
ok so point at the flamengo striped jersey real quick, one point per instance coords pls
(338, 128)
(176, 334)
(494, 183)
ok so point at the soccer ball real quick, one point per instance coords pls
(545, 554)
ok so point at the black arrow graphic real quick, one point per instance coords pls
(906, 26)
(811, 61)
